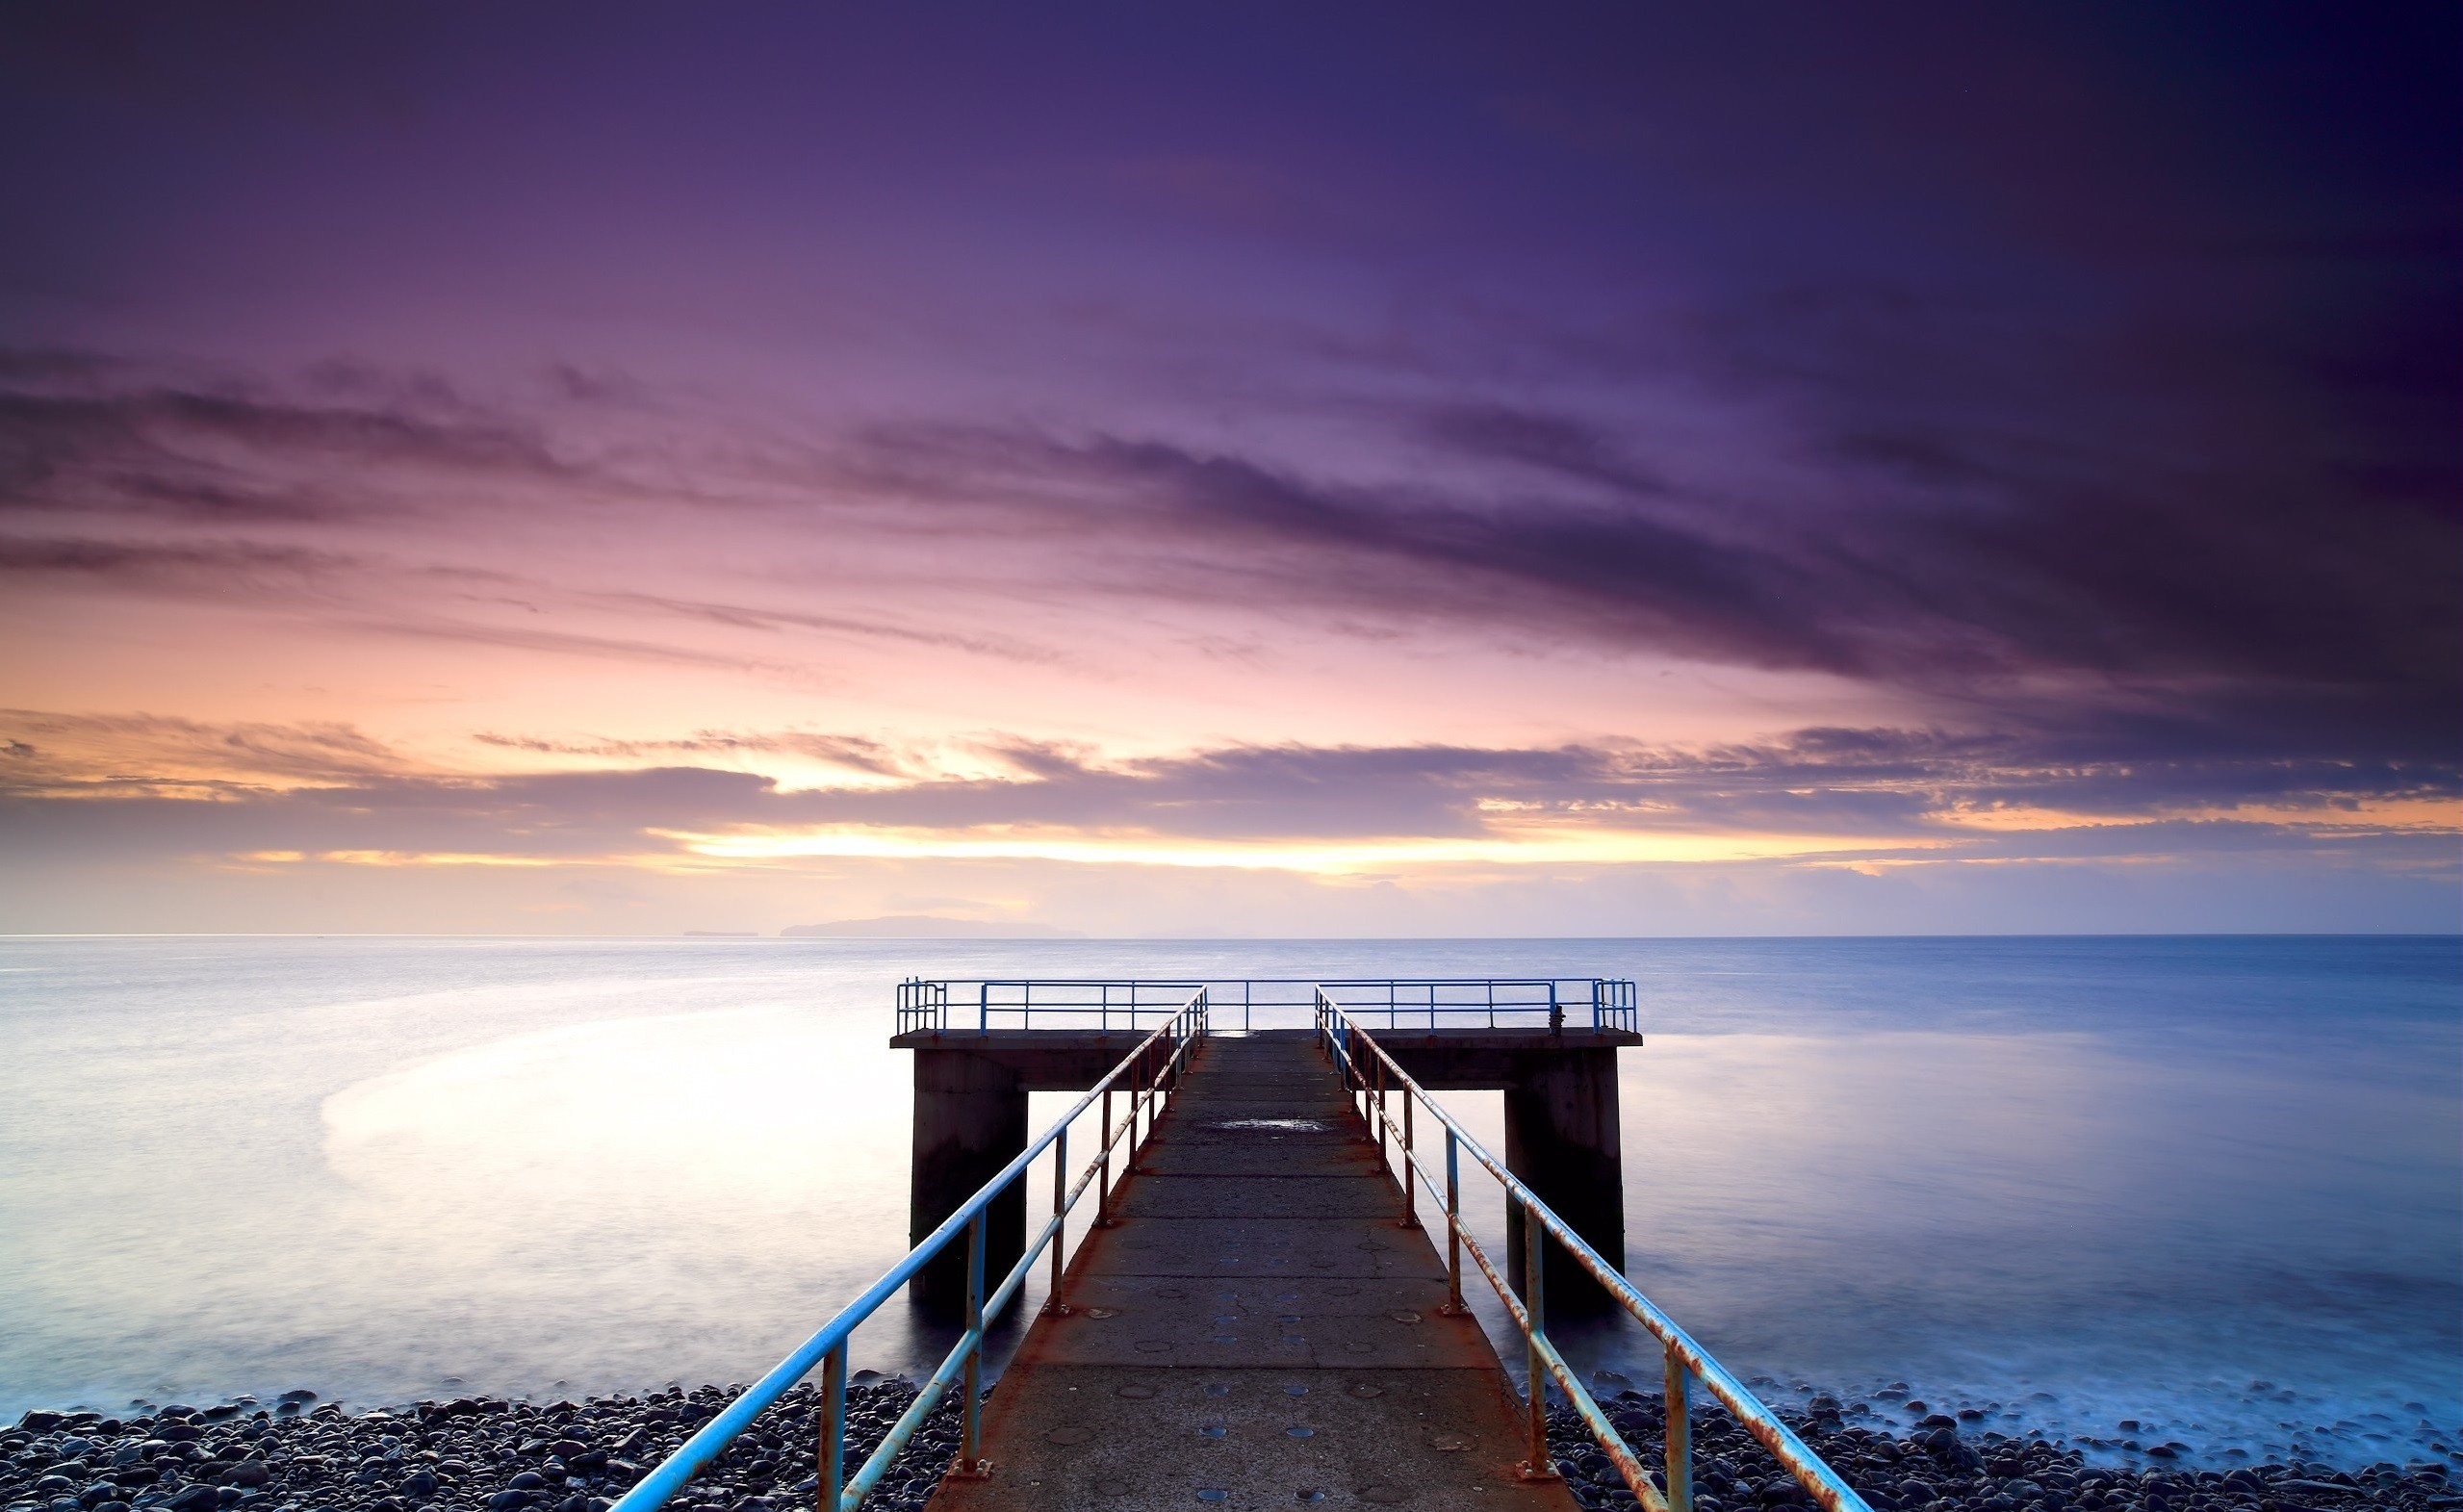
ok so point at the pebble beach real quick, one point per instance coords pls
(491, 1455)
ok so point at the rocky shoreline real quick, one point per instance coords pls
(489, 1455)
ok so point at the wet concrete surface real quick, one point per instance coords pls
(1259, 1331)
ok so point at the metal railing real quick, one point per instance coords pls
(1148, 1075)
(947, 1006)
(1368, 1073)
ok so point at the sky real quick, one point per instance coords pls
(1258, 470)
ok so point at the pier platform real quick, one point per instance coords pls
(1257, 1328)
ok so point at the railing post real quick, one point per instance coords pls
(1677, 1391)
(1381, 1120)
(832, 1448)
(1137, 1107)
(970, 1440)
(1454, 1227)
(1359, 1072)
(1052, 1302)
(1410, 1177)
(1541, 1466)
(1103, 1180)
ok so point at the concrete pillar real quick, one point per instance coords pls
(970, 1120)
(1561, 1140)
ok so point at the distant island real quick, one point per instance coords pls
(926, 926)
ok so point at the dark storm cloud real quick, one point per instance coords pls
(2241, 607)
(222, 455)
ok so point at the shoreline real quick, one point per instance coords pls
(498, 1454)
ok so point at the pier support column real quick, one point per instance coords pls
(970, 1120)
(1561, 1140)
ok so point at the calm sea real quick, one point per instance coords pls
(2213, 1185)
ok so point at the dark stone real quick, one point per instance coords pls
(195, 1499)
(247, 1474)
(419, 1483)
(508, 1502)
(527, 1481)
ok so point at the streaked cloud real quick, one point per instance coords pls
(1552, 446)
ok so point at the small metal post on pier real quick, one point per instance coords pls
(972, 1464)
(1453, 1307)
(1677, 1383)
(1053, 1306)
(1410, 1188)
(833, 1447)
(1103, 1182)
(1541, 1465)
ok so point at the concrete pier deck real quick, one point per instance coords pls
(1258, 1330)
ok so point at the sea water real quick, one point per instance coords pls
(2210, 1186)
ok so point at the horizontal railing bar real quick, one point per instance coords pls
(1301, 984)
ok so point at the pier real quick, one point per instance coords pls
(1548, 1046)
(1266, 1304)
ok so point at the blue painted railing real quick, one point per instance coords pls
(1147, 1074)
(981, 1005)
(1371, 1074)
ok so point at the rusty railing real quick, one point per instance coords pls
(1372, 1075)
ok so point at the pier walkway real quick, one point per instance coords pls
(1256, 1318)
(1257, 1328)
